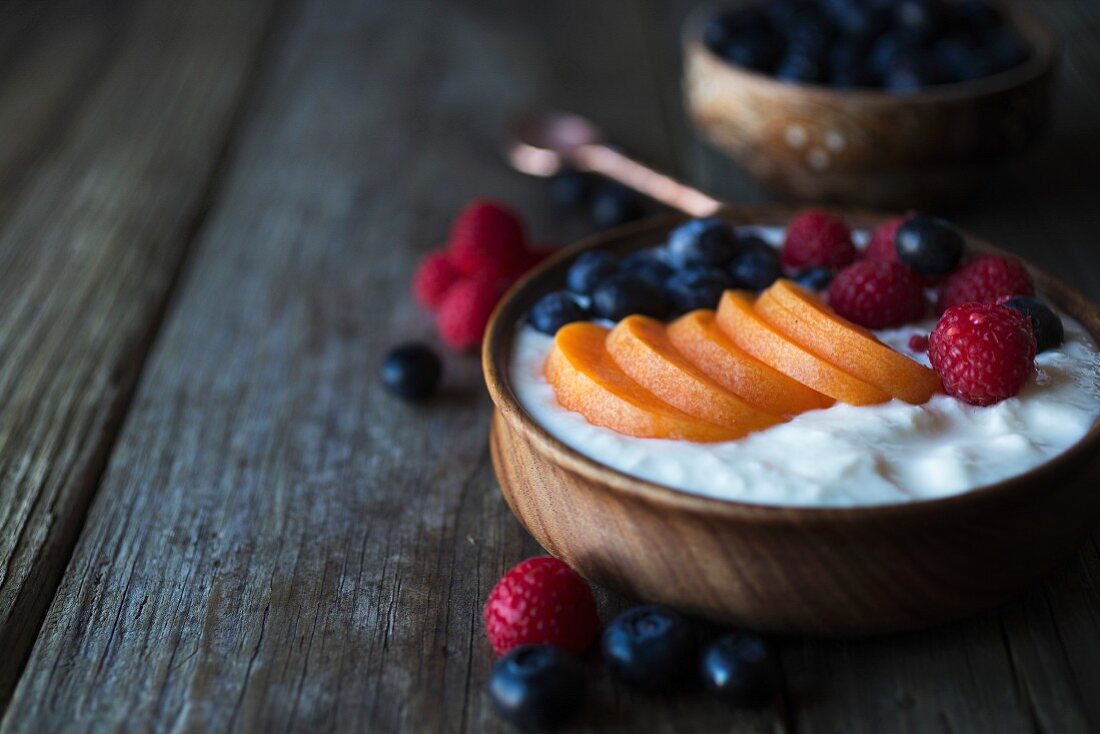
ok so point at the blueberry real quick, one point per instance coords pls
(650, 647)
(800, 68)
(702, 242)
(697, 287)
(958, 62)
(921, 19)
(648, 266)
(759, 51)
(613, 205)
(411, 371)
(1046, 324)
(810, 34)
(572, 189)
(855, 18)
(816, 279)
(756, 268)
(624, 294)
(589, 269)
(911, 73)
(887, 49)
(537, 687)
(739, 667)
(555, 310)
(929, 245)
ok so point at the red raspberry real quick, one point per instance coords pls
(433, 278)
(918, 343)
(541, 601)
(487, 238)
(985, 279)
(877, 294)
(881, 244)
(465, 310)
(817, 239)
(983, 352)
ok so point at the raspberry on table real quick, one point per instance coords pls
(983, 352)
(877, 294)
(881, 244)
(487, 238)
(541, 601)
(464, 312)
(817, 238)
(433, 278)
(985, 279)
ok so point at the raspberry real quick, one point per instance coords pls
(985, 279)
(433, 278)
(881, 244)
(817, 238)
(918, 343)
(541, 601)
(487, 238)
(877, 294)
(982, 352)
(465, 310)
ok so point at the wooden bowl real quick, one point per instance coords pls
(833, 571)
(869, 147)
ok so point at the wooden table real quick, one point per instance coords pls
(213, 517)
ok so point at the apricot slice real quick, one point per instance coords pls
(805, 319)
(586, 380)
(641, 347)
(696, 336)
(748, 330)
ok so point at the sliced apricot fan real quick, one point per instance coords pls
(642, 349)
(805, 319)
(696, 336)
(586, 380)
(748, 330)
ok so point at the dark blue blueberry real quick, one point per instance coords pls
(887, 49)
(646, 264)
(958, 62)
(624, 294)
(816, 279)
(697, 287)
(848, 65)
(740, 668)
(411, 371)
(912, 73)
(1047, 326)
(723, 27)
(800, 68)
(589, 269)
(1004, 50)
(756, 268)
(613, 205)
(537, 687)
(810, 34)
(855, 18)
(702, 242)
(921, 20)
(786, 13)
(929, 245)
(555, 310)
(572, 189)
(650, 647)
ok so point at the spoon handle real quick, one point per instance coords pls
(607, 161)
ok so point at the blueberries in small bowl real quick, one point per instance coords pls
(648, 266)
(650, 647)
(739, 668)
(589, 270)
(537, 687)
(1045, 324)
(700, 286)
(555, 310)
(928, 245)
(702, 242)
(623, 294)
(411, 371)
(613, 205)
(757, 266)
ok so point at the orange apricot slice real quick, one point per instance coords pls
(696, 336)
(748, 330)
(642, 349)
(804, 318)
(588, 381)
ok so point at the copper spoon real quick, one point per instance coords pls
(541, 144)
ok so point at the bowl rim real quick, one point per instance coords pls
(1037, 33)
(496, 354)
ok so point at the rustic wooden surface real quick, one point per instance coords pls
(213, 518)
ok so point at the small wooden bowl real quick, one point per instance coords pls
(869, 147)
(833, 571)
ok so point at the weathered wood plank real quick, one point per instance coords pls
(124, 121)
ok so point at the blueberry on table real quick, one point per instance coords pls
(739, 668)
(589, 270)
(1045, 324)
(702, 242)
(648, 266)
(624, 294)
(572, 189)
(613, 205)
(537, 687)
(816, 279)
(555, 310)
(411, 371)
(928, 245)
(697, 287)
(650, 647)
(757, 267)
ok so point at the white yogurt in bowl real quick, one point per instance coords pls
(846, 456)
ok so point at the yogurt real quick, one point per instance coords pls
(846, 455)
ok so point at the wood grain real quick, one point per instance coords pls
(124, 123)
